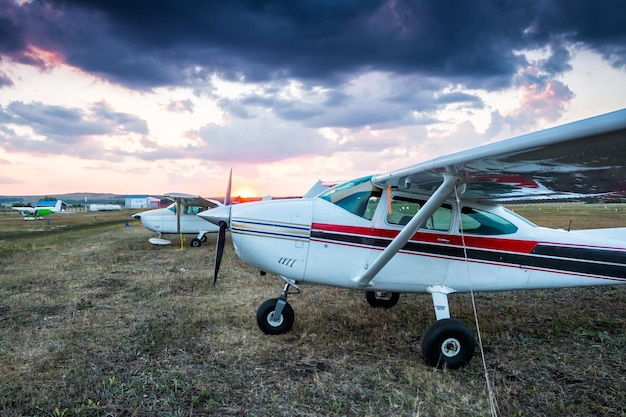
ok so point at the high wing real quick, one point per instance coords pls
(25, 209)
(192, 200)
(584, 160)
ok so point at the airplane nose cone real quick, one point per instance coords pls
(217, 215)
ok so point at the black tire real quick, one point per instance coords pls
(449, 343)
(265, 313)
(382, 299)
(195, 242)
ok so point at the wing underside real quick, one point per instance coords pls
(584, 160)
(193, 200)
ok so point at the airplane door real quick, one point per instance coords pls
(300, 246)
(421, 262)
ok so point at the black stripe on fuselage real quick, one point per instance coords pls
(591, 254)
(588, 261)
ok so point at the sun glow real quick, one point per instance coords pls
(245, 192)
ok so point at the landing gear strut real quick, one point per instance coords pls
(196, 242)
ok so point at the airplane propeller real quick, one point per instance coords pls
(223, 224)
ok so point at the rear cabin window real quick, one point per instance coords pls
(403, 209)
(359, 197)
(186, 209)
(479, 222)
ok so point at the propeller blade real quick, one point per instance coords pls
(228, 188)
(219, 249)
(221, 236)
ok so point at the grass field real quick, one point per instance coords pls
(95, 321)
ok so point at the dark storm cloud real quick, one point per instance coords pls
(5, 80)
(458, 97)
(167, 42)
(254, 141)
(358, 64)
(66, 122)
(379, 102)
(66, 130)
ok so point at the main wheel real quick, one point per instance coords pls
(448, 342)
(195, 242)
(382, 299)
(268, 324)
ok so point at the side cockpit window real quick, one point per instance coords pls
(359, 197)
(195, 209)
(403, 209)
(480, 222)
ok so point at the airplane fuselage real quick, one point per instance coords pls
(37, 213)
(165, 221)
(315, 241)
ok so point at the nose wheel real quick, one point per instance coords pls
(271, 321)
(275, 316)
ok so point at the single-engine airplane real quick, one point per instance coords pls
(179, 218)
(43, 208)
(438, 227)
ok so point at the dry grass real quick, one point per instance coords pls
(94, 321)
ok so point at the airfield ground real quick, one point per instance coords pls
(95, 321)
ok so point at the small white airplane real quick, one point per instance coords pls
(43, 208)
(438, 227)
(179, 218)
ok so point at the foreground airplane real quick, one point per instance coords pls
(179, 218)
(438, 227)
(43, 208)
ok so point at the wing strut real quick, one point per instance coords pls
(427, 210)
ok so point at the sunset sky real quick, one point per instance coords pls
(161, 96)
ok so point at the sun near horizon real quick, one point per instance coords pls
(245, 192)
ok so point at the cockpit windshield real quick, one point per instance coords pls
(359, 197)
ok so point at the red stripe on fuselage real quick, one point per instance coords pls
(481, 242)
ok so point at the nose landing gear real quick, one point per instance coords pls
(275, 316)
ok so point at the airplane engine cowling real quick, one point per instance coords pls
(273, 235)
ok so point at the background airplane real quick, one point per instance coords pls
(42, 208)
(179, 218)
(438, 227)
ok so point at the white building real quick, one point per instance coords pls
(104, 207)
(141, 202)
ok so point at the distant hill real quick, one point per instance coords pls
(96, 198)
(71, 198)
